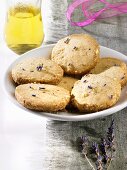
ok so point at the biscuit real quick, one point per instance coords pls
(116, 73)
(107, 62)
(77, 54)
(37, 70)
(67, 82)
(42, 97)
(119, 70)
(95, 92)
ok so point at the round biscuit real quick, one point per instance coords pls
(37, 70)
(95, 92)
(113, 68)
(42, 97)
(77, 53)
(116, 73)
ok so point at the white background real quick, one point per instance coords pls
(22, 135)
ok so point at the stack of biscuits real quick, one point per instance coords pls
(74, 77)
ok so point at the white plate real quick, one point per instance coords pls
(45, 51)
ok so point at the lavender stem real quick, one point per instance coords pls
(89, 163)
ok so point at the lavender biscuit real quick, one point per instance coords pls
(95, 92)
(37, 70)
(77, 53)
(113, 68)
(42, 97)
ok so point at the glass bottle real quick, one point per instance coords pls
(24, 27)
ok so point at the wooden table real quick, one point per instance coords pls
(61, 152)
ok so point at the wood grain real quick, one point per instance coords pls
(61, 136)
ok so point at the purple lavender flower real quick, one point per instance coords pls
(104, 147)
(99, 157)
(39, 68)
(110, 135)
(84, 144)
(103, 151)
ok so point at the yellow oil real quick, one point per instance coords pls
(24, 28)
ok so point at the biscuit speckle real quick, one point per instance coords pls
(86, 94)
(90, 87)
(34, 95)
(85, 81)
(111, 96)
(31, 87)
(67, 41)
(97, 51)
(116, 65)
(41, 88)
(40, 67)
(75, 48)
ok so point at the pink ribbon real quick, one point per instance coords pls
(108, 10)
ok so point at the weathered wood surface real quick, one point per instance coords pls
(61, 152)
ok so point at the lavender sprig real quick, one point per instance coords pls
(104, 149)
(84, 140)
(99, 157)
(110, 135)
(110, 142)
(84, 145)
(107, 145)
